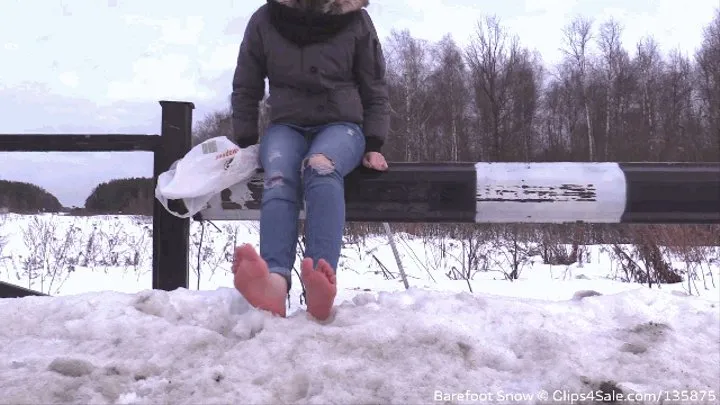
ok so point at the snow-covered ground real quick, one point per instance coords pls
(558, 334)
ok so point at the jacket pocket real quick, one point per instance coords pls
(289, 105)
(347, 105)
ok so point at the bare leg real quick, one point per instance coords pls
(321, 288)
(262, 289)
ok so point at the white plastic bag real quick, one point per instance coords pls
(205, 171)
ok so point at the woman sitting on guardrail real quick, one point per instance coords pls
(329, 114)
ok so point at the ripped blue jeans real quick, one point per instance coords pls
(305, 167)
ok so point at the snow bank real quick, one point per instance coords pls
(418, 346)
(569, 330)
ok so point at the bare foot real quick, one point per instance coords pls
(260, 288)
(321, 288)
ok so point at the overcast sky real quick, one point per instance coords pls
(100, 66)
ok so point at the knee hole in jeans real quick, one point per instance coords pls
(320, 164)
(273, 180)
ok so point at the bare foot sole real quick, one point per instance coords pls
(320, 286)
(261, 289)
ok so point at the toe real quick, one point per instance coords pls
(325, 268)
(248, 252)
(237, 259)
(306, 267)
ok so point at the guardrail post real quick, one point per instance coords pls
(170, 233)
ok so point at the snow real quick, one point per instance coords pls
(572, 331)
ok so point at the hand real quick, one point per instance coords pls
(375, 160)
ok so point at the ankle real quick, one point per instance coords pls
(279, 283)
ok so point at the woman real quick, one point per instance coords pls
(329, 114)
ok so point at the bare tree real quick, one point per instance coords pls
(217, 123)
(408, 71)
(617, 77)
(578, 35)
(488, 59)
(555, 121)
(449, 115)
(708, 72)
(646, 121)
(505, 82)
(679, 126)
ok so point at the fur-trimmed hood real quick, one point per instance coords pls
(333, 7)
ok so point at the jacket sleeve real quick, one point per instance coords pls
(370, 74)
(248, 85)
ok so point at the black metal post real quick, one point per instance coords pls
(170, 233)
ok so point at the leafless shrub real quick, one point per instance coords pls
(209, 254)
(108, 245)
(645, 261)
(386, 273)
(50, 257)
(139, 245)
(511, 251)
(553, 249)
(113, 244)
(695, 246)
(3, 236)
(466, 247)
(423, 264)
(358, 232)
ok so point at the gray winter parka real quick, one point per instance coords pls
(323, 62)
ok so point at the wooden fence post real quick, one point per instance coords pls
(170, 233)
